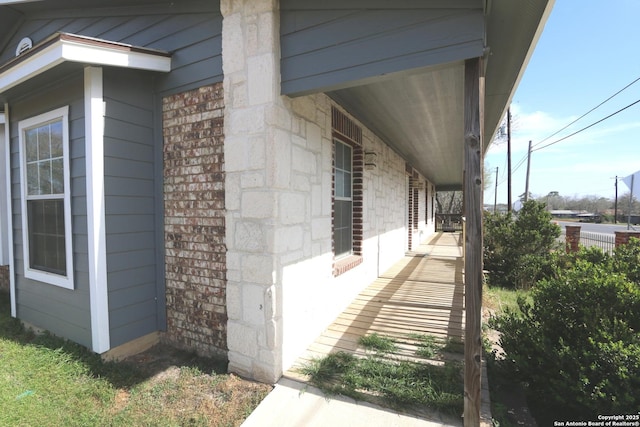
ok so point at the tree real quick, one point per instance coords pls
(449, 202)
(623, 205)
(517, 250)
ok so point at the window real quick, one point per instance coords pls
(343, 200)
(46, 212)
(348, 174)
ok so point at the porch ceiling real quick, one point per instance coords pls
(419, 113)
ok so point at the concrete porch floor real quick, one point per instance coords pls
(423, 293)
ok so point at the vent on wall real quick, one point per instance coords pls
(24, 45)
(345, 126)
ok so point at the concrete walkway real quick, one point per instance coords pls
(294, 404)
(422, 293)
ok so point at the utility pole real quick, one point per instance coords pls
(509, 204)
(630, 203)
(526, 187)
(495, 199)
(615, 215)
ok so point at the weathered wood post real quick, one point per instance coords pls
(473, 153)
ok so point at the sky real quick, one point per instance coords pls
(588, 51)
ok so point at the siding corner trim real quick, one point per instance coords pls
(96, 226)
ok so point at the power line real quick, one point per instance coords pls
(523, 159)
(587, 127)
(594, 108)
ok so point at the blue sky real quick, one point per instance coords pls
(588, 51)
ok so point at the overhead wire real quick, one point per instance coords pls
(586, 127)
(502, 178)
(593, 109)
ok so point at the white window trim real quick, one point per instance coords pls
(30, 273)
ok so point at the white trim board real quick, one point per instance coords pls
(8, 203)
(63, 47)
(4, 241)
(96, 228)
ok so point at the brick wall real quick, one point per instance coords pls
(194, 195)
(4, 278)
(622, 237)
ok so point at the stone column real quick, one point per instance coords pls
(258, 172)
(572, 238)
(622, 237)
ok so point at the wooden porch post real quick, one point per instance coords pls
(473, 153)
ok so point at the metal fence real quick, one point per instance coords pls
(448, 222)
(606, 242)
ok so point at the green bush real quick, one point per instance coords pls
(627, 260)
(577, 343)
(517, 250)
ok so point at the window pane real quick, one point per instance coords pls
(46, 235)
(44, 152)
(347, 157)
(339, 154)
(342, 227)
(33, 182)
(57, 176)
(339, 183)
(44, 169)
(346, 191)
(31, 143)
(56, 139)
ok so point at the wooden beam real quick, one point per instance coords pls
(473, 119)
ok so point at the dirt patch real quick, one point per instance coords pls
(187, 390)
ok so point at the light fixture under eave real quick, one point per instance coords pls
(370, 160)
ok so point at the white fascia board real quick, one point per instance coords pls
(31, 67)
(103, 55)
(96, 225)
(86, 53)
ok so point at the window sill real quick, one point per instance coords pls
(49, 278)
(345, 264)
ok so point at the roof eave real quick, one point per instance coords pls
(64, 47)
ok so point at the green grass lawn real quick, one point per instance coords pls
(382, 378)
(47, 381)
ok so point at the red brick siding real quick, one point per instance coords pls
(194, 224)
(622, 237)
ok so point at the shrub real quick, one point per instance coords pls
(627, 260)
(517, 250)
(576, 345)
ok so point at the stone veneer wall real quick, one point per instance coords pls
(4, 277)
(281, 287)
(194, 224)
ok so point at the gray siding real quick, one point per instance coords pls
(63, 312)
(130, 195)
(190, 31)
(332, 45)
